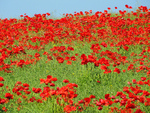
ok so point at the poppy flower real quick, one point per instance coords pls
(107, 96)
(69, 63)
(70, 48)
(124, 70)
(134, 81)
(87, 100)
(108, 8)
(73, 58)
(103, 67)
(117, 70)
(9, 96)
(126, 48)
(1, 79)
(98, 81)
(36, 90)
(130, 67)
(2, 101)
(42, 80)
(52, 84)
(138, 111)
(66, 58)
(104, 44)
(80, 101)
(92, 96)
(37, 55)
(49, 76)
(113, 97)
(4, 109)
(26, 85)
(143, 78)
(126, 6)
(60, 59)
(119, 93)
(1, 85)
(54, 79)
(100, 108)
(66, 81)
(130, 105)
(18, 93)
(48, 14)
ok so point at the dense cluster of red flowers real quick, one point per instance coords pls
(130, 97)
(102, 30)
(20, 35)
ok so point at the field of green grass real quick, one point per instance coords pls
(83, 62)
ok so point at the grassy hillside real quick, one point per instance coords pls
(82, 62)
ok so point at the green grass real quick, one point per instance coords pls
(85, 76)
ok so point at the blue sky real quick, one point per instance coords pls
(15, 8)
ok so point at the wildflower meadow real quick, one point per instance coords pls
(82, 62)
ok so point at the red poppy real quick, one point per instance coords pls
(107, 96)
(39, 101)
(80, 101)
(9, 96)
(100, 108)
(117, 70)
(83, 56)
(20, 63)
(126, 6)
(26, 85)
(107, 71)
(73, 58)
(126, 48)
(54, 79)
(66, 81)
(4, 109)
(37, 55)
(84, 62)
(18, 93)
(130, 105)
(103, 67)
(138, 111)
(76, 54)
(27, 92)
(36, 90)
(134, 81)
(130, 67)
(66, 58)
(108, 8)
(60, 59)
(2, 101)
(49, 77)
(69, 108)
(119, 93)
(70, 48)
(1, 79)
(1, 85)
(48, 14)
(124, 70)
(42, 81)
(87, 101)
(52, 84)
(69, 63)
(92, 96)
(113, 97)
(98, 81)
(143, 78)
(104, 44)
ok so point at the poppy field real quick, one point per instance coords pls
(83, 62)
